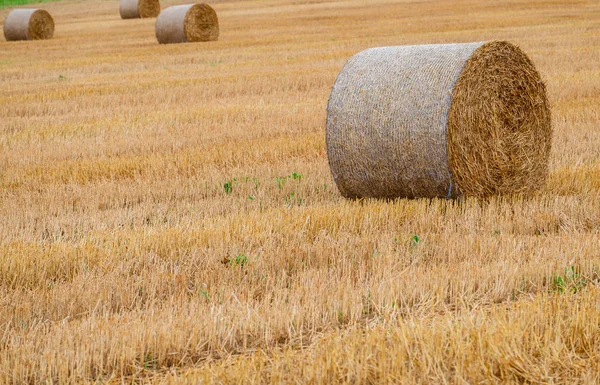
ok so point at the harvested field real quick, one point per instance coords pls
(167, 212)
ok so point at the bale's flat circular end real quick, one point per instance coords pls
(499, 129)
(201, 23)
(41, 25)
(148, 8)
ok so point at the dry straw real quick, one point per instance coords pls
(439, 121)
(135, 9)
(187, 23)
(28, 24)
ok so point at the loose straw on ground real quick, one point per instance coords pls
(135, 9)
(28, 24)
(187, 23)
(439, 121)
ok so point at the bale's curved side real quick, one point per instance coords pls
(28, 24)
(170, 24)
(187, 23)
(499, 125)
(386, 121)
(129, 9)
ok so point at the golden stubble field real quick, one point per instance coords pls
(167, 212)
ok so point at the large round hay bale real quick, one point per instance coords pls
(28, 24)
(135, 9)
(187, 23)
(439, 121)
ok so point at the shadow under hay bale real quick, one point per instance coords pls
(187, 23)
(439, 121)
(28, 24)
(135, 9)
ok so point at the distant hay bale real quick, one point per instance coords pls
(187, 23)
(28, 24)
(135, 9)
(439, 121)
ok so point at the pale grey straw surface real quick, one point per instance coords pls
(170, 25)
(16, 25)
(387, 118)
(129, 9)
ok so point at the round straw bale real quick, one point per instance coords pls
(439, 121)
(135, 9)
(187, 23)
(28, 24)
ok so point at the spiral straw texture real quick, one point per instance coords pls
(438, 121)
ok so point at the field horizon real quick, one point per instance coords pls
(167, 212)
(13, 3)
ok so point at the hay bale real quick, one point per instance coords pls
(28, 24)
(187, 23)
(439, 121)
(135, 9)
